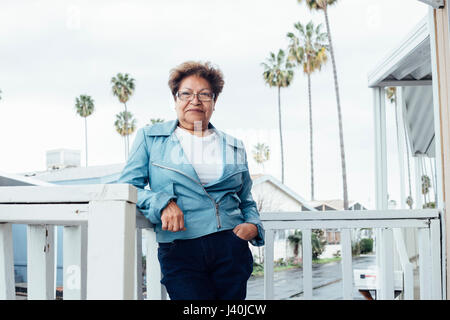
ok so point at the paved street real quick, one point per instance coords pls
(327, 281)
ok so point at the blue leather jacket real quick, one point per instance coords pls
(157, 159)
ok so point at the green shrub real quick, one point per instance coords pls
(431, 205)
(356, 248)
(257, 267)
(293, 261)
(317, 242)
(280, 263)
(366, 245)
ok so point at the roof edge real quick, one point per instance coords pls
(284, 188)
(418, 35)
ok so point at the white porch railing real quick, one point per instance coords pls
(389, 224)
(103, 232)
(102, 242)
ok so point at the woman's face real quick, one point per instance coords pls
(194, 114)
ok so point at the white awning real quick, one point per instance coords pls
(408, 64)
(408, 67)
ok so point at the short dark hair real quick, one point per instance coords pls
(205, 70)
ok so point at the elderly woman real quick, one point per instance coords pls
(200, 200)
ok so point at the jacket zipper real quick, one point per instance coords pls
(216, 205)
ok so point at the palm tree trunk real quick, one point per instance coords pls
(85, 138)
(311, 137)
(281, 136)
(125, 149)
(341, 133)
(126, 132)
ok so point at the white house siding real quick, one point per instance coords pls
(270, 198)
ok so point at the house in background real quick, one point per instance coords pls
(63, 168)
(324, 205)
(10, 179)
(333, 236)
(79, 175)
(271, 195)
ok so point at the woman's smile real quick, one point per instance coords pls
(196, 110)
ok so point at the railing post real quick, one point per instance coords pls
(41, 262)
(111, 250)
(74, 260)
(268, 265)
(424, 263)
(307, 264)
(407, 267)
(386, 279)
(138, 265)
(7, 289)
(155, 290)
(347, 271)
(436, 277)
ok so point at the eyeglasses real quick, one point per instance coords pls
(202, 96)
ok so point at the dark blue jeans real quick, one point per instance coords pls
(213, 267)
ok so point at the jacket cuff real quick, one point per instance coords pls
(160, 202)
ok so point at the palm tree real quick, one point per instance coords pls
(157, 120)
(317, 242)
(84, 106)
(125, 125)
(308, 49)
(296, 240)
(123, 87)
(323, 5)
(426, 185)
(261, 153)
(278, 73)
(391, 94)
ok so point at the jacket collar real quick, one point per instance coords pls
(232, 146)
(168, 127)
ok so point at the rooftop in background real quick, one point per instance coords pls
(91, 173)
(107, 173)
(10, 179)
(336, 204)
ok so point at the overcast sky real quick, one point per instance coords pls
(53, 51)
